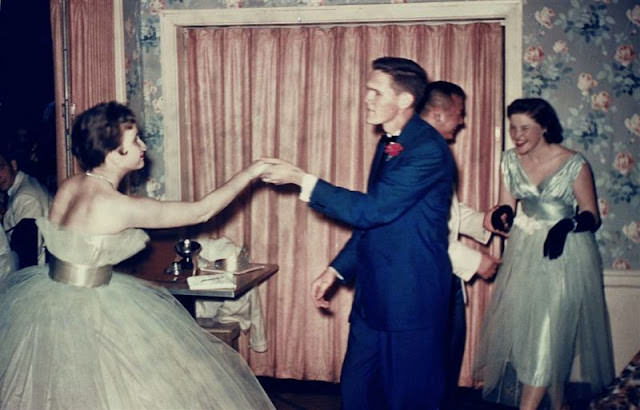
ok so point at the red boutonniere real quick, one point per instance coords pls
(393, 149)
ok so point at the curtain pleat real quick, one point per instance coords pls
(91, 60)
(92, 52)
(56, 36)
(298, 93)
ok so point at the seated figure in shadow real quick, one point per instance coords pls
(27, 199)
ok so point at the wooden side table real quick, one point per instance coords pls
(227, 332)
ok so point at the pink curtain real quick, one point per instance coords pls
(91, 60)
(297, 93)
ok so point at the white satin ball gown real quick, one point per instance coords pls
(80, 336)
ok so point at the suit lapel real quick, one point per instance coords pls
(407, 136)
(376, 164)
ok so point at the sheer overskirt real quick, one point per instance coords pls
(125, 345)
(547, 324)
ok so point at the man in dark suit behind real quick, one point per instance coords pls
(397, 254)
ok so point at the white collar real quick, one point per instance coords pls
(16, 183)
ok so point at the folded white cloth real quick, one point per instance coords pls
(212, 282)
(246, 311)
(232, 256)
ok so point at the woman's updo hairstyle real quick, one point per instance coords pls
(98, 131)
(541, 112)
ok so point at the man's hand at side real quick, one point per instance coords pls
(321, 286)
(488, 266)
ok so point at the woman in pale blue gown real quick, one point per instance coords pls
(75, 334)
(546, 331)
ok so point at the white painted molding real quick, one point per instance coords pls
(508, 12)
(622, 279)
(118, 44)
(371, 13)
(622, 292)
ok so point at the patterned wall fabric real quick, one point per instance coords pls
(581, 55)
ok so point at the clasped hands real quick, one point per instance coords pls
(278, 172)
(499, 220)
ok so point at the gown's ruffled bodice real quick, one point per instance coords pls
(550, 200)
(88, 249)
(123, 345)
(546, 317)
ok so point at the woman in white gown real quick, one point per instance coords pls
(75, 334)
(546, 331)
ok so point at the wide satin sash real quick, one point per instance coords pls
(79, 275)
(546, 211)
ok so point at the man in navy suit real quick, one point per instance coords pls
(397, 254)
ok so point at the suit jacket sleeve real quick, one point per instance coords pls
(27, 206)
(471, 224)
(346, 261)
(464, 259)
(397, 190)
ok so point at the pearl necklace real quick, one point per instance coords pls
(102, 177)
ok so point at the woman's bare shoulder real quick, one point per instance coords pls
(79, 199)
(64, 195)
(563, 152)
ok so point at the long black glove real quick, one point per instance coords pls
(554, 244)
(496, 218)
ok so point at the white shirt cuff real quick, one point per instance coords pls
(308, 183)
(338, 275)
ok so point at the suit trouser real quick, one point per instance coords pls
(392, 370)
(457, 332)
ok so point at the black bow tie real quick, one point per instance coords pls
(388, 138)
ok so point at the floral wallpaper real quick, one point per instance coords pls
(581, 55)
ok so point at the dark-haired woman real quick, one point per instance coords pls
(546, 331)
(77, 335)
